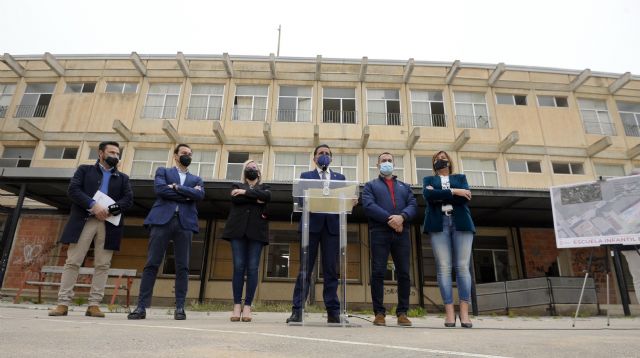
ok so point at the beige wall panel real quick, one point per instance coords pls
(163, 73)
(264, 75)
(561, 179)
(429, 71)
(384, 78)
(635, 85)
(217, 75)
(123, 73)
(291, 67)
(111, 106)
(515, 76)
(251, 66)
(7, 74)
(432, 81)
(384, 70)
(593, 90)
(291, 130)
(549, 77)
(69, 112)
(618, 142)
(196, 65)
(162, 65)
(195, 127)
(332, 131)
(35, 65)
(437, 134)
(84, 73)
(473, 73)
(240, 129)
(522, 119)
(340, 68)
(306, 76)
(561, 127)
(119, 65)
(149, 126)
(383, 132)
(83, 64)
(528, 180)
(481, 135)
(340, 77)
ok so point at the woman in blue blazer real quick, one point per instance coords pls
(247, 230)
(448, 223)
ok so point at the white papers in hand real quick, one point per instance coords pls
(105, 200)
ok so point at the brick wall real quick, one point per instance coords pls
(34, 245)
(539, 249)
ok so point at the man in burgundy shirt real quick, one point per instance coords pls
(389, 205)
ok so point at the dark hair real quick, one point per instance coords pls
(433, 159)
(175, 151)
(315, 151)
(381, 154)
(104, 144)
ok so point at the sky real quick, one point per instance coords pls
(603, 36)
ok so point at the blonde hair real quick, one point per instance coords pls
(244, 167)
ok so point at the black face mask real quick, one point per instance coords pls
(111, 161)
(251, 174)
(185, 160)
(440, 164)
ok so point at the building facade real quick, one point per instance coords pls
(514, 131)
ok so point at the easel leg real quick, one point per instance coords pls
(584, 283)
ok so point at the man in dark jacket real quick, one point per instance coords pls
(174, 216)
(87, 223)
(324, 231)
(389, 206)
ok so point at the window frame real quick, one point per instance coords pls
(432, 117)
(526, 165)
(164, 115)
(123, 89)
(483, 172)
(7, 91)
(208, 107)
(63, 152)
(512, 96)
(303, 166)
(236, 116)
(390, 118)
(473, 104)
(342, 112)
(598, 115)
(570, 165)
(69, 87)
(151, 172)
(297, 110)
(39, 110)
(555, 101)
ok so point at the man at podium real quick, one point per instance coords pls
(324, 231)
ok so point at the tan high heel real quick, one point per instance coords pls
(234, 318)
(244, 318)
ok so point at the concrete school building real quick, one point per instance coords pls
(513, 130)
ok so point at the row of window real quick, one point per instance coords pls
(338, 105)
(289, 165)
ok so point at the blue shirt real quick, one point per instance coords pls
(104, 185)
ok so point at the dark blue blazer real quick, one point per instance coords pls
(317, 222)
(436, 197)
(184, 198)
(82, 187)
(377, 204)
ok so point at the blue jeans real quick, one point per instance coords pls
(399, 245)
(452, 248)
(330, 252)
(246, 258)
(160, 236)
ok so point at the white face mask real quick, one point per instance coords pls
(386, 168)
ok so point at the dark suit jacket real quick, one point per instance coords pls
(436, 197)
(82, 187)
(184, 198)
(377, 204)
(317, 222)
(248, 217)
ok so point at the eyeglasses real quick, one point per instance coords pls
(324, 153)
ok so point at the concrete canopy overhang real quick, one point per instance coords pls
(489, 206)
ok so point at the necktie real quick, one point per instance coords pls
(324, 175)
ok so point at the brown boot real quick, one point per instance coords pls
(403, 320)
(379, 320)
(60, 310)
(94, 311)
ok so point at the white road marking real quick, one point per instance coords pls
(287, 336)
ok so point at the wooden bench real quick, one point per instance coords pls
(120, 274)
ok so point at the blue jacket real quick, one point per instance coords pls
(317, 222)
(377, 204)
(436, 197)
(184, 198)
(82, 187)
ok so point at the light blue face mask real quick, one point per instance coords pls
(386, 168)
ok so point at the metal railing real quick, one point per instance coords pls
(160, 112)
(632, 130)
(429, 120)
(29, 111)
(595, 127)
(390, 119)
(337, 116)
(3, 111)
(294, 115)
(204, 113)
(541, 291)
(249, 114)
(473, 121)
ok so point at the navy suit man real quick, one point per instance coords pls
(174, 216)
(390, 206)
(87, 223)
(324, 231)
